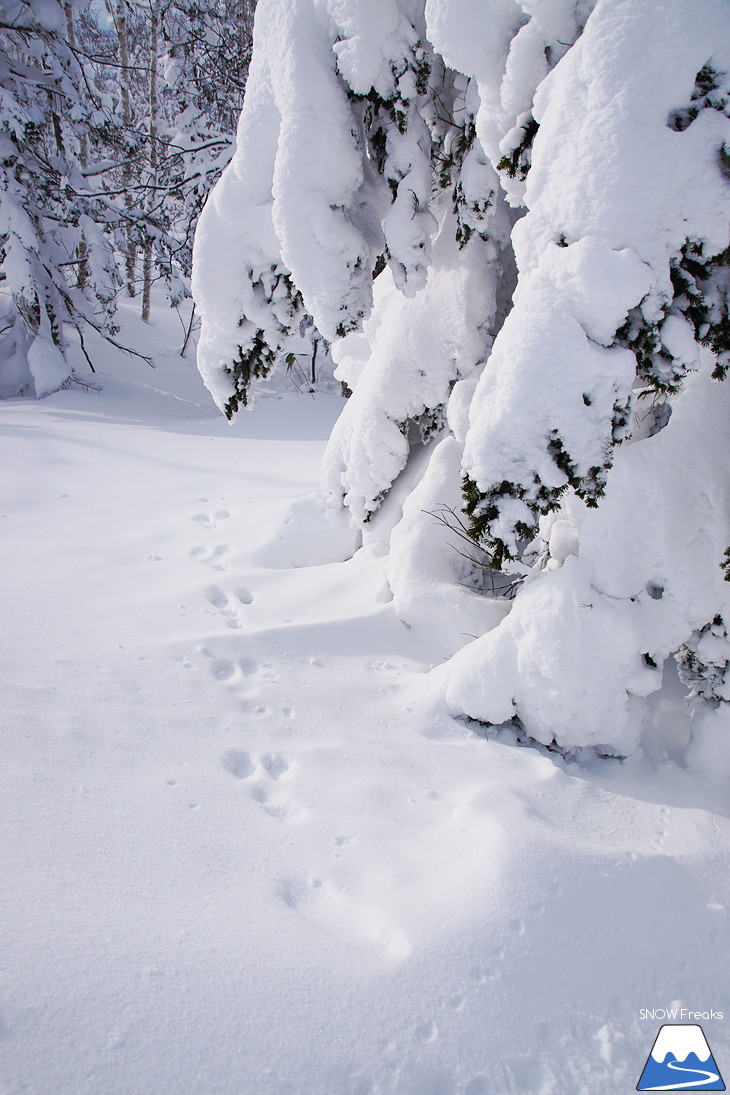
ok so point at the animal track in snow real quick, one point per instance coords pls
(239, 764)
(249, 706)
(214, 557)
(223, 605)
(382, 665)
(427, 1031)
(229, 670)
(227, 605)
(223, 670)
(210, 520)
(217, 598)
(664, 821)
(341, 842)
(264, 777)
(275, 765)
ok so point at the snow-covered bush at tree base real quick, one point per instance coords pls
(538, 194)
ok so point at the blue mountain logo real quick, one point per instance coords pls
(680, 1060)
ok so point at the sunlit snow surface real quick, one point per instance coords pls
(242, 850)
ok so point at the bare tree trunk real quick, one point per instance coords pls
(82, 251)
(152, 133)
(248, 12)
(119, 14)
(188, 332)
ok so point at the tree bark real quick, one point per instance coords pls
(82, 251)
(120, 22)
(152, 134)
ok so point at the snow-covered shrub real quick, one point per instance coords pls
(703, 663)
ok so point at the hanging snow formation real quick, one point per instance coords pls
(400, 166)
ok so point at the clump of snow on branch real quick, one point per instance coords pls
(401, 370)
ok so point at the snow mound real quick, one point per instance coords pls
(309, 534)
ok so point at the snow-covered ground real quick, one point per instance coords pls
(243, 849)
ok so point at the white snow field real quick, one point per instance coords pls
(243, 849)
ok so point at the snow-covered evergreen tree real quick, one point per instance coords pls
(622, 292)
(447, 153)
(332, 182)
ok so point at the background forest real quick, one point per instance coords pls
(116, 121)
